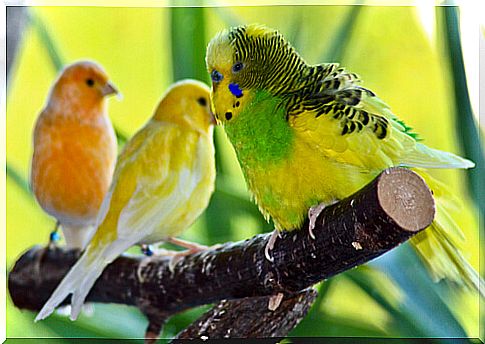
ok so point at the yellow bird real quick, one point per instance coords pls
(162, 182)
(307, 136)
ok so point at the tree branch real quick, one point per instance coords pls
(251, 318)
(388, 211)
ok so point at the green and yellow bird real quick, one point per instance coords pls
(306, 135)
(162, 182)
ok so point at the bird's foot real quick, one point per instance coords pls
(150, 251)
(191, 246)
(313, 214)
(270, 245)
(275, 301)
(175, 256)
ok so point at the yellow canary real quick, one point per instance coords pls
(162, 182)
(74, 150)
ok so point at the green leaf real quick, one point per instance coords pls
(57, 60)
(103, 323)
(466, 127)
(319, 323)
(47, 40)
(17, 178)
(336, 51)
(388, 296)
(423, 307)
(188, 43)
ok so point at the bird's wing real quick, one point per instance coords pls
(166, 174)
(125, 172)
(350, 124)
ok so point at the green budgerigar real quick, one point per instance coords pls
(306, 135)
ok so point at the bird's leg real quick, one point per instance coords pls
(313, 214)
(270, 245)
(190, 246)
(176, 256)
(149, 251)
(53, 238)
(146, 250)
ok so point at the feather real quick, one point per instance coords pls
(427, 157)
(162, 182)
(78, 282)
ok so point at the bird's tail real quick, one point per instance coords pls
(439, 245)
(77, 282)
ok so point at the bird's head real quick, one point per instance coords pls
(245, 59)
(187, 103)
(84, 83)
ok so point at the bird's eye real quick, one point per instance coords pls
(237, 67)
(202, 101)
(216, 76)
(90, 82)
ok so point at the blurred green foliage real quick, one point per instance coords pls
(145, 49)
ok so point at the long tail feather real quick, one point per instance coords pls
(444, 260)
(78, 282)
(439, 245)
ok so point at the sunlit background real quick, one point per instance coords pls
(408, 56)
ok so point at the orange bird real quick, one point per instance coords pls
(74, 151)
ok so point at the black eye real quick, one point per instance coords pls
(237, 67)
(90, 82)
(216, 76)
(202, 101)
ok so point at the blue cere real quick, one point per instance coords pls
(234, 88)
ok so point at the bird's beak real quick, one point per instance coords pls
(108, 89)
(212, 120)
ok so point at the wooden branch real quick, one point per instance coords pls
(251, 318)
(385, 213)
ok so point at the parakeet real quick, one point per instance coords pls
(162, 182)
(75, 150)
(306, 135)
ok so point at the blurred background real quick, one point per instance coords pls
(409, 56)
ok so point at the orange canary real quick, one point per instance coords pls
(75, 150)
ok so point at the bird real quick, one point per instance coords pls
(307, 136)
(74, 151)
(163, 181)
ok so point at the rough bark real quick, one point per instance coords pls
(251, 318)
(384, 214)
